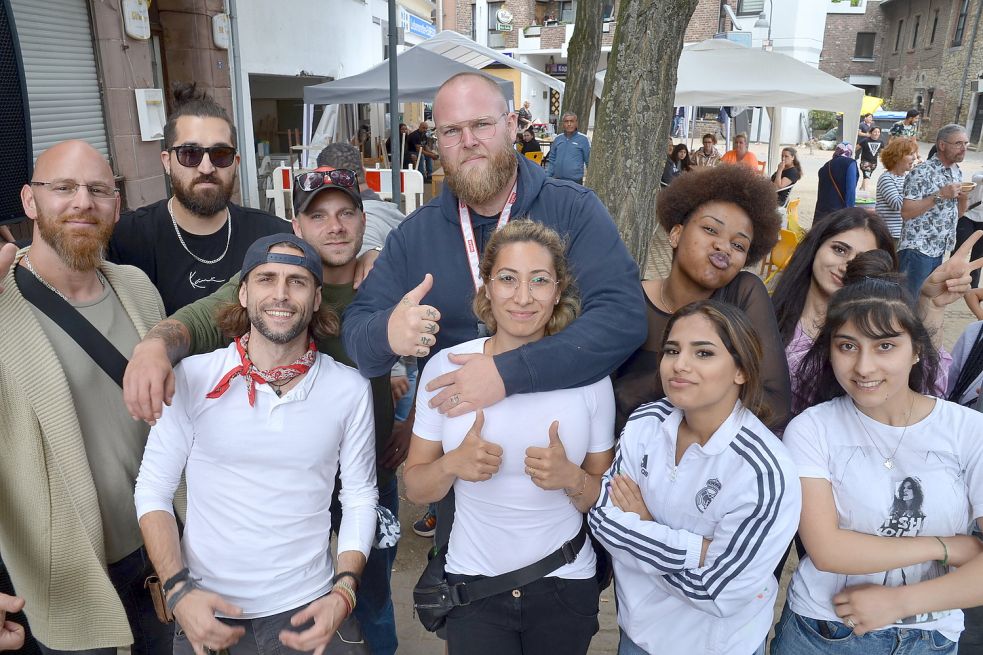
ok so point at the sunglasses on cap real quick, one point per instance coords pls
(317, 179)
(191, 156)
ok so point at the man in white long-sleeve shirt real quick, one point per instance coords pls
(261, 429)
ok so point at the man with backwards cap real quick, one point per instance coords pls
(329, 217)
(260, 429)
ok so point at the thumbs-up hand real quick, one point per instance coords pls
(412, 326)
(549, 467)
(476, 460)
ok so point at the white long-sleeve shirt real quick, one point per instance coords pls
(741, 491)
(260, 479)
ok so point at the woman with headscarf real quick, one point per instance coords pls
(837, 182)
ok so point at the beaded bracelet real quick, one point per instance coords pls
(347, 595)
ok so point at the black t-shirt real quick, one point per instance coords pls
(792, 175)
(416, 138)
(145, 238)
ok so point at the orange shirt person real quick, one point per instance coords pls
(740, 154)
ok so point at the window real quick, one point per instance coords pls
(897, 37)
(568, 11)
(935, 27)
(914, 32)
(865, 45)
(750, 7)
(608, 11)
(957, 35)
(493, 8)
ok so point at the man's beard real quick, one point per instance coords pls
(478, 185)
(80, 252)
(203, 202)
(258, 320)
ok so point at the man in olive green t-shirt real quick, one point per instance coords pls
(328, 215)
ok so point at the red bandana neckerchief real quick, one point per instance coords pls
(277, 375)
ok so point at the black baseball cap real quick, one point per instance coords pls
(259, 253)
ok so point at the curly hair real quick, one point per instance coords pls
(753, 193)
(526, 231)
(897, 150)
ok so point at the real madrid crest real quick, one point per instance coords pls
(706, 495)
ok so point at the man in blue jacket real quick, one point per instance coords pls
(570, 152)
(417, 300)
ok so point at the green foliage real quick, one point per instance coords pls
(822, 120)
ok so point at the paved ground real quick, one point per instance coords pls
(414, 640)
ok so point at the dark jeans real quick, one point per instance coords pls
(374, 609)
(550, 615)
(263, 636)
(916, 267)
(964, 229)
(150, 636)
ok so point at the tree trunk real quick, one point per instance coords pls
(632, 129)
(582, 56)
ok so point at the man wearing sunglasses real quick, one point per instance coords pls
(189, 244)
(70, 451)
(328, 215)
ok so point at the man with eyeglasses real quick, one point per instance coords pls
(569, 153)
(933, 202)
(417, 300)
(71, 452)
(328, 215)
(191, 243)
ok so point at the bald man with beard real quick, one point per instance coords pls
(69, 451)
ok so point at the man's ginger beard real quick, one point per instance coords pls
(80, 252)
(478, 185)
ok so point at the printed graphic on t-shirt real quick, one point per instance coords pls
(706, 495)
(906, 519)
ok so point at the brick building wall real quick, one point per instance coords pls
(949, 81)
(703, 25)
(840, 43)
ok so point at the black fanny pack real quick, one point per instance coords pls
(434, 597)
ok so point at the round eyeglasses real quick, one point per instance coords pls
(541, 286)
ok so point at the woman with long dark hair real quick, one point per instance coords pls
(877, 576)
(677, 163)
(788, 173)
(702, 500)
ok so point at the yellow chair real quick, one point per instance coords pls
(536, 157)
(792, 217)
(779, 256)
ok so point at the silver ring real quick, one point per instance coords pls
(851, 623)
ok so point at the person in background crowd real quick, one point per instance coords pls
(677, 163)
(788, 173)
(420, 152)
(707, 156)
(933, 202)
(883, 526)
(569, 154)
(525, 116)
(529, 142)
(898, 158)
(866, 124)
(906, 127)
(719, 221)
(837, 181)
(740, 154)
(699, 579)
(403, 132)
(867, 149)
(524, 470)
(191, 243)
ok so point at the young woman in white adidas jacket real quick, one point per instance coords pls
(892, 482)
(702, 499)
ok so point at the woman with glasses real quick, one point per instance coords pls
(702, 501)
(523, 470)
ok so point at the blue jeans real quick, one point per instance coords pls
(402, 409)
(800, 635)
(628, 647)
(916, 267)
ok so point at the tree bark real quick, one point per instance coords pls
(582, 56)
(631, 132)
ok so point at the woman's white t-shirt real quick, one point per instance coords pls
(935, 488)
(507, 522)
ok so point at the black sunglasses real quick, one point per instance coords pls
(317, 179)
(191, 156)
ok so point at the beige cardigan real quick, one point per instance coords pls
(51, 536)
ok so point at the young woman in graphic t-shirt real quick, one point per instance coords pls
(892, 481)
(523, 470)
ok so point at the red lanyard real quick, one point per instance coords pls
(470, 247)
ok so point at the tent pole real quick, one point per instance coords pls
(774, 140)
(397, 156)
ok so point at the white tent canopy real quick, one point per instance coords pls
(717, 72)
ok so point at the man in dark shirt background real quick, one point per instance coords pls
(418, 145)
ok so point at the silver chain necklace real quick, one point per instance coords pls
(177, 231)
(888, 461)
(27, 263)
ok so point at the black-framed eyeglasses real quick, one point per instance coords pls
(68, 189)
(191, 156)
(316, 179)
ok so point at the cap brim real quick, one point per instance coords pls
(307, 196)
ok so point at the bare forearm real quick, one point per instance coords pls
(933, 317)
(592, 490)
(173, 336)
(350, 560)
(854, 553)
(163, 544)
(960, 588)
(914, 208)
(428, 483)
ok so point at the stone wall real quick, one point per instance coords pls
(840, 41)
(949, 78)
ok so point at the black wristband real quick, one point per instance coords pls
(346, 574)
(176, 597)
(181, 576)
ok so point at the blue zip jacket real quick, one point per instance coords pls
(612, 323)
(568, 156)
